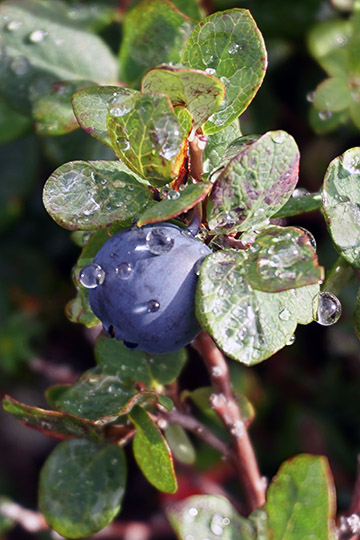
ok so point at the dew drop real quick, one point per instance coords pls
(173, 195)
(329, 309)
(158, 242)
(20, 65)
(325, 115)
(216, 525)
(225, 80)
(12, 26)
(91, 276)
(291, 340)
(351, 161)
(124, 270)
(284, 315)
(153, 306)
(197, 265)
(233, 48)
(210, 71)
(278, 136)
(37, 36)
(310, 96)
(193, 511)
(207, 58)
(300, 192)
(123, 144)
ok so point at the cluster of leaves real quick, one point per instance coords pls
(178, 77)
(335, 45)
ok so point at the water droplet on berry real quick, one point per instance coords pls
(158, 243)
(329, 309)
(123, 270)
(91, 276)
(198, 265)
(153, 306)
(37, 36)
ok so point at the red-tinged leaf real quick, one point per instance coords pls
(53, 423)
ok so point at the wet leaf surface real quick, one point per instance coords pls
(40, 44)
(152, 452)
(154, 32)
(255, 183)
(147, 136)
(210, 517)
(300, 203)
(175, 203)
(200, 92)
(91, 107)
(341, 203)
(301, 500)
(180, 444)
(217, 144)
(51, 423)
(247, 324)
(282, 258)
(89, 195)
(229, 46)
(81, 487)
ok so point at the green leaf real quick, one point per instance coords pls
(91, 107)
(326, 121)
(90, 195)
(248, 325)
(282, 258)
(152, 453)
(255, 183)
(180, 444)
(147, 137)
(6, 524)
(175, 204)
(165, 368)
(115, 358)
(52, 110)
(191, 8)
(341, 200)
(39, 43)
(300, 203)
(259, 519)
(147, 398)
(200, 92)
(301, 500)
(333, 95)
(154, 32)
(327, 43)
(354, 111)
(96, 396)
(217, 144)
(12, 124)
(51, 423)
(92, 16)
(81, 487)
(78, 309)
(230, 45)
(210, 517)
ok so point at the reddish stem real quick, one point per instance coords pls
(225, 405)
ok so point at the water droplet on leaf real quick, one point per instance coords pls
(12, 26)
(325, 115)
(233, 48)
(91, 276)
(173, 195)
(123, 144)
(278, 136)
(20, 65)
(193, 511)
(351, 161)
(329, 309)
(291, 340)
(300, 192)
(37, 36)
(123, 270)
(284, 315)
(158, 242)
(310, 96)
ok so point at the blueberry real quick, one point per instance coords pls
(147, 295)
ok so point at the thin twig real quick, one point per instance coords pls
(196, 149)
(225, 405)
(29, 520)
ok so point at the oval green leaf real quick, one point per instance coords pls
(247, 324)
(91, 106)
(180, 444)
(333, 95)
(341, 203)
(148, 137)
(40, 43)
(81, 487)
(90, 195)
(217, 144)
(230, 45)
(51, 423)
(200, 92)
(327, 43)
(211, 517)
(154, 32)
(177, 203)
(282, 258)
(152, 452)
(255, 183)
(301, 500)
